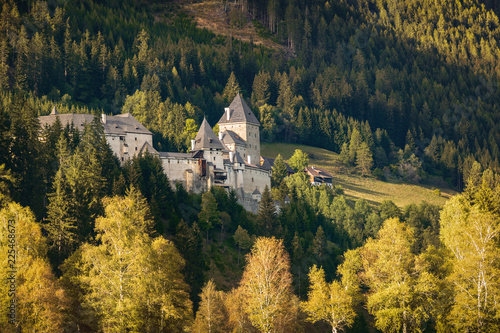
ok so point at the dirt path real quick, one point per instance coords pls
(211, 16)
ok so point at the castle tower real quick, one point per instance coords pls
(207, 141)
(239, 119)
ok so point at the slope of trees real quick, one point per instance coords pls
(416, 80)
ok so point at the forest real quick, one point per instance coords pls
(406, 89)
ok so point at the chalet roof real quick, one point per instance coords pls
(317, 172)
(239, 113)
(229, 137)
(206, 138)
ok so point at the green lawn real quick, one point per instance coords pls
(355, 186)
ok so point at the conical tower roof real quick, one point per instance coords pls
(206, 138)
(54, 111)
(240, 113)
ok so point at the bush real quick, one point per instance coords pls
(379, 174)
(437, 192)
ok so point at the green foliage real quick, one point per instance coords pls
(279, 172)
(40, 301)
(209, 215)
(232, 88)
(470, 230)
(299, 160)
(402, 295)
(328, 301)
(134, 281)
(211, 316)
(266, 285)
(267, 222)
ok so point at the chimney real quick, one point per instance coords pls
(192, 144)
(103, 118)
(249, 159)
(220, 135)
(231, 156)
(228, 113)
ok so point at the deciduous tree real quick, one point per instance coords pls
(329, 302)
(267, 286)
(299, 160)
(40, 300)
(134, 281)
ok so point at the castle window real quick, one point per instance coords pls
(214, 158)
(252, 179)
(122, 138)
(135, 148)
(135, 138)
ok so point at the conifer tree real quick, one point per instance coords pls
(209, 215)
(260, 89)
(231, 89)
(267, 221)
(364, 159)
(279, 172)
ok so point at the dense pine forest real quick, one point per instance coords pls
(402, 89)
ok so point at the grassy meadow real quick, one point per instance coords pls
(356, 186)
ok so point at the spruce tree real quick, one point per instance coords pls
(209, 215)
(279, 170)
(232, 88)
(267, 222)
(364, 158)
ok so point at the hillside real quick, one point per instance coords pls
(358, 187)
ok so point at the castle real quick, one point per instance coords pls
(230, 160)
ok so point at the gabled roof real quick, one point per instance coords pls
(256, 191)
(123, 123)
(240, 113)
(317, 172)
(206, 138)
(117, 125)
(78, 119)
(146, 147)
(238, 158)
(229, 137)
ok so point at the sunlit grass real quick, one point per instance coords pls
(355, 186)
